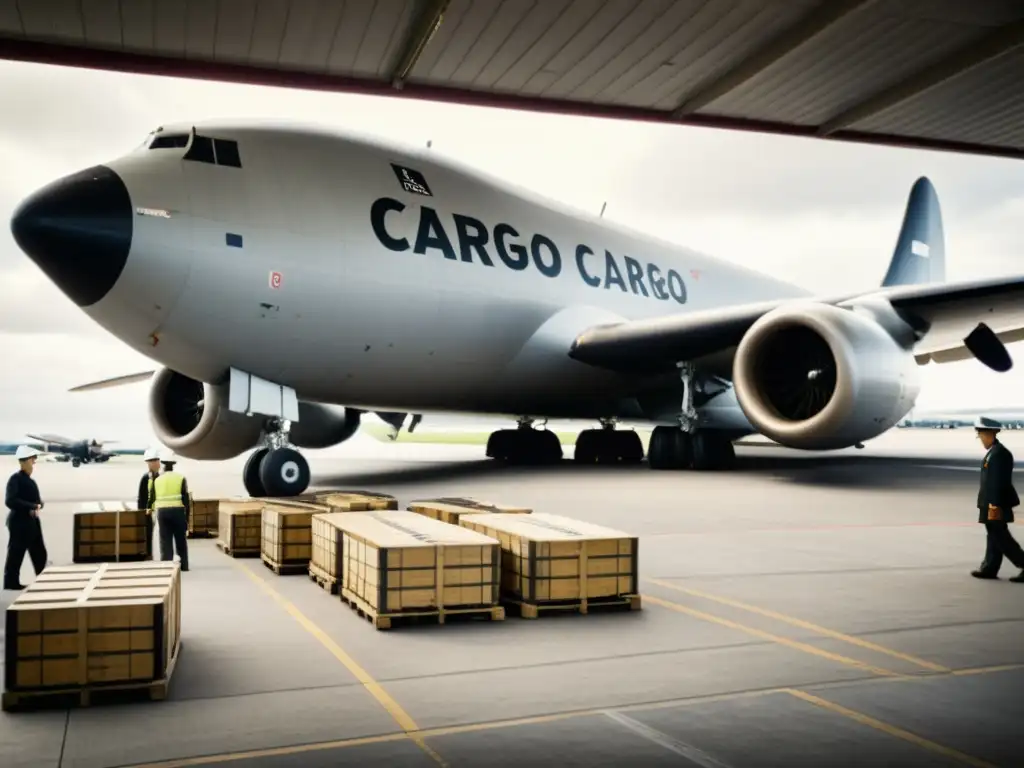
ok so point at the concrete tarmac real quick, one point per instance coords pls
(802, 610)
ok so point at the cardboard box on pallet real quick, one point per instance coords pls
(547, 558)
(93, 625)
(450, 509)
(203, 516)
(287, 531)
(110, 531)
(397, 560)
(240, 526)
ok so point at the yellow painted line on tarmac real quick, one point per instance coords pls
(892, 730)
(794, 644)
(393, 708)
(804, 625)
(225, 757)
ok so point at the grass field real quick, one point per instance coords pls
(458, 437)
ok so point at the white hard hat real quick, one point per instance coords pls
(25, 452)
(169, 458)
(152, 454)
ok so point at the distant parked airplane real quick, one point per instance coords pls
(77, 451)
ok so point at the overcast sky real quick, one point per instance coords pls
(821, 214)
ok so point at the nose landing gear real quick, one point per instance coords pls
(276, 469)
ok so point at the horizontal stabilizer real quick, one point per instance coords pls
(118, 381)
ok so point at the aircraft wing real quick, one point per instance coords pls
(944, 314)
(63, 442)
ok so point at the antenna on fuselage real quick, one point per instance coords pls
(429, 143)
(603, 206)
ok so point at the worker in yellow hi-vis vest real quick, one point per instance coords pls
(171, 507)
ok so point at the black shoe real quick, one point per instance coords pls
(15, 588)
(983, 575)
(1018, 579)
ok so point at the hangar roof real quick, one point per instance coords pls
(940, 74)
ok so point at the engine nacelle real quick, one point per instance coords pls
(819, 377)
(321, 426)
(192, 419)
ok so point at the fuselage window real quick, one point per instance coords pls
(169, 141)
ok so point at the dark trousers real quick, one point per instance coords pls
(173, 525)
(1000, 543)
(25, 535)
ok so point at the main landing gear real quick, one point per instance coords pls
(608, 446)
(276, 469)
(525, 445)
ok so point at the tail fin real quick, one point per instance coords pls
(920, 255)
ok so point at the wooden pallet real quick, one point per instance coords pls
(201, 535)
(324, 580)
(97, 693)
(236, 552)
(425, 616)
(284, 569)
(527, 610)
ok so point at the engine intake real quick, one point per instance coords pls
(819, 377)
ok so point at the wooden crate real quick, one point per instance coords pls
(111, 531)
(350, 501)
(80, 632)
(450, 509)
(550, 562)
(286, 541)
(325, 561)
(398, 563)
(203, 517)
(240, 527)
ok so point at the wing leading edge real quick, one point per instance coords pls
(946, 318)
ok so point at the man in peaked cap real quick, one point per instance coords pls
(996, 499)
(26, 532)
(172, 506)
(147, 492)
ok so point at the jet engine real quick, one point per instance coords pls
(819, 377)
(192, 419)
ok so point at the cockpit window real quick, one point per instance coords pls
(214, 151)
(169, 141)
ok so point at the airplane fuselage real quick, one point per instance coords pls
(365, 276)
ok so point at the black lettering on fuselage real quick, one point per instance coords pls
(548, 270)
(432, 235)
(470, 241)
(522, 258)
(611, 272)
(657, 282)
(592, 281)
(636, 275)
(676, 287)
(377, 213)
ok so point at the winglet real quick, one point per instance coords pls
(920, 254)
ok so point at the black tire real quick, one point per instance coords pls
(712, 451)
(251, 474)
(549, 447)
(629, 446)
(586, 447)
(284, 472)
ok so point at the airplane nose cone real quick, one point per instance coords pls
(78, 230)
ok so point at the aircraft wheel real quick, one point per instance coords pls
(284, 472)
(630, 448)
(712, 450)
(670, 448)
(251, 474)
(587, 447)
(76, 463)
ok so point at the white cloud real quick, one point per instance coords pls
(819, 213)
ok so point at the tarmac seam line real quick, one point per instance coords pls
(785, 641)
(867, 644)
(891, 730)
(681, 748)
(392, 707)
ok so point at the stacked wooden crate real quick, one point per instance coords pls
(81, 631)
(240, 527)
(554, 562)
(203, 517)
(450, 509)
(325, 563)
(110, 531)
(287, 543)
(399, 564)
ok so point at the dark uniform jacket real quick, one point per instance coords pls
(997, 483)
(146, 495)
(22, 494)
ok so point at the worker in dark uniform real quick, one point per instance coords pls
(147, 494)
(26, 531)
(996, 500)
(171, 505)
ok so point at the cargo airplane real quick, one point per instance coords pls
(288, 279)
